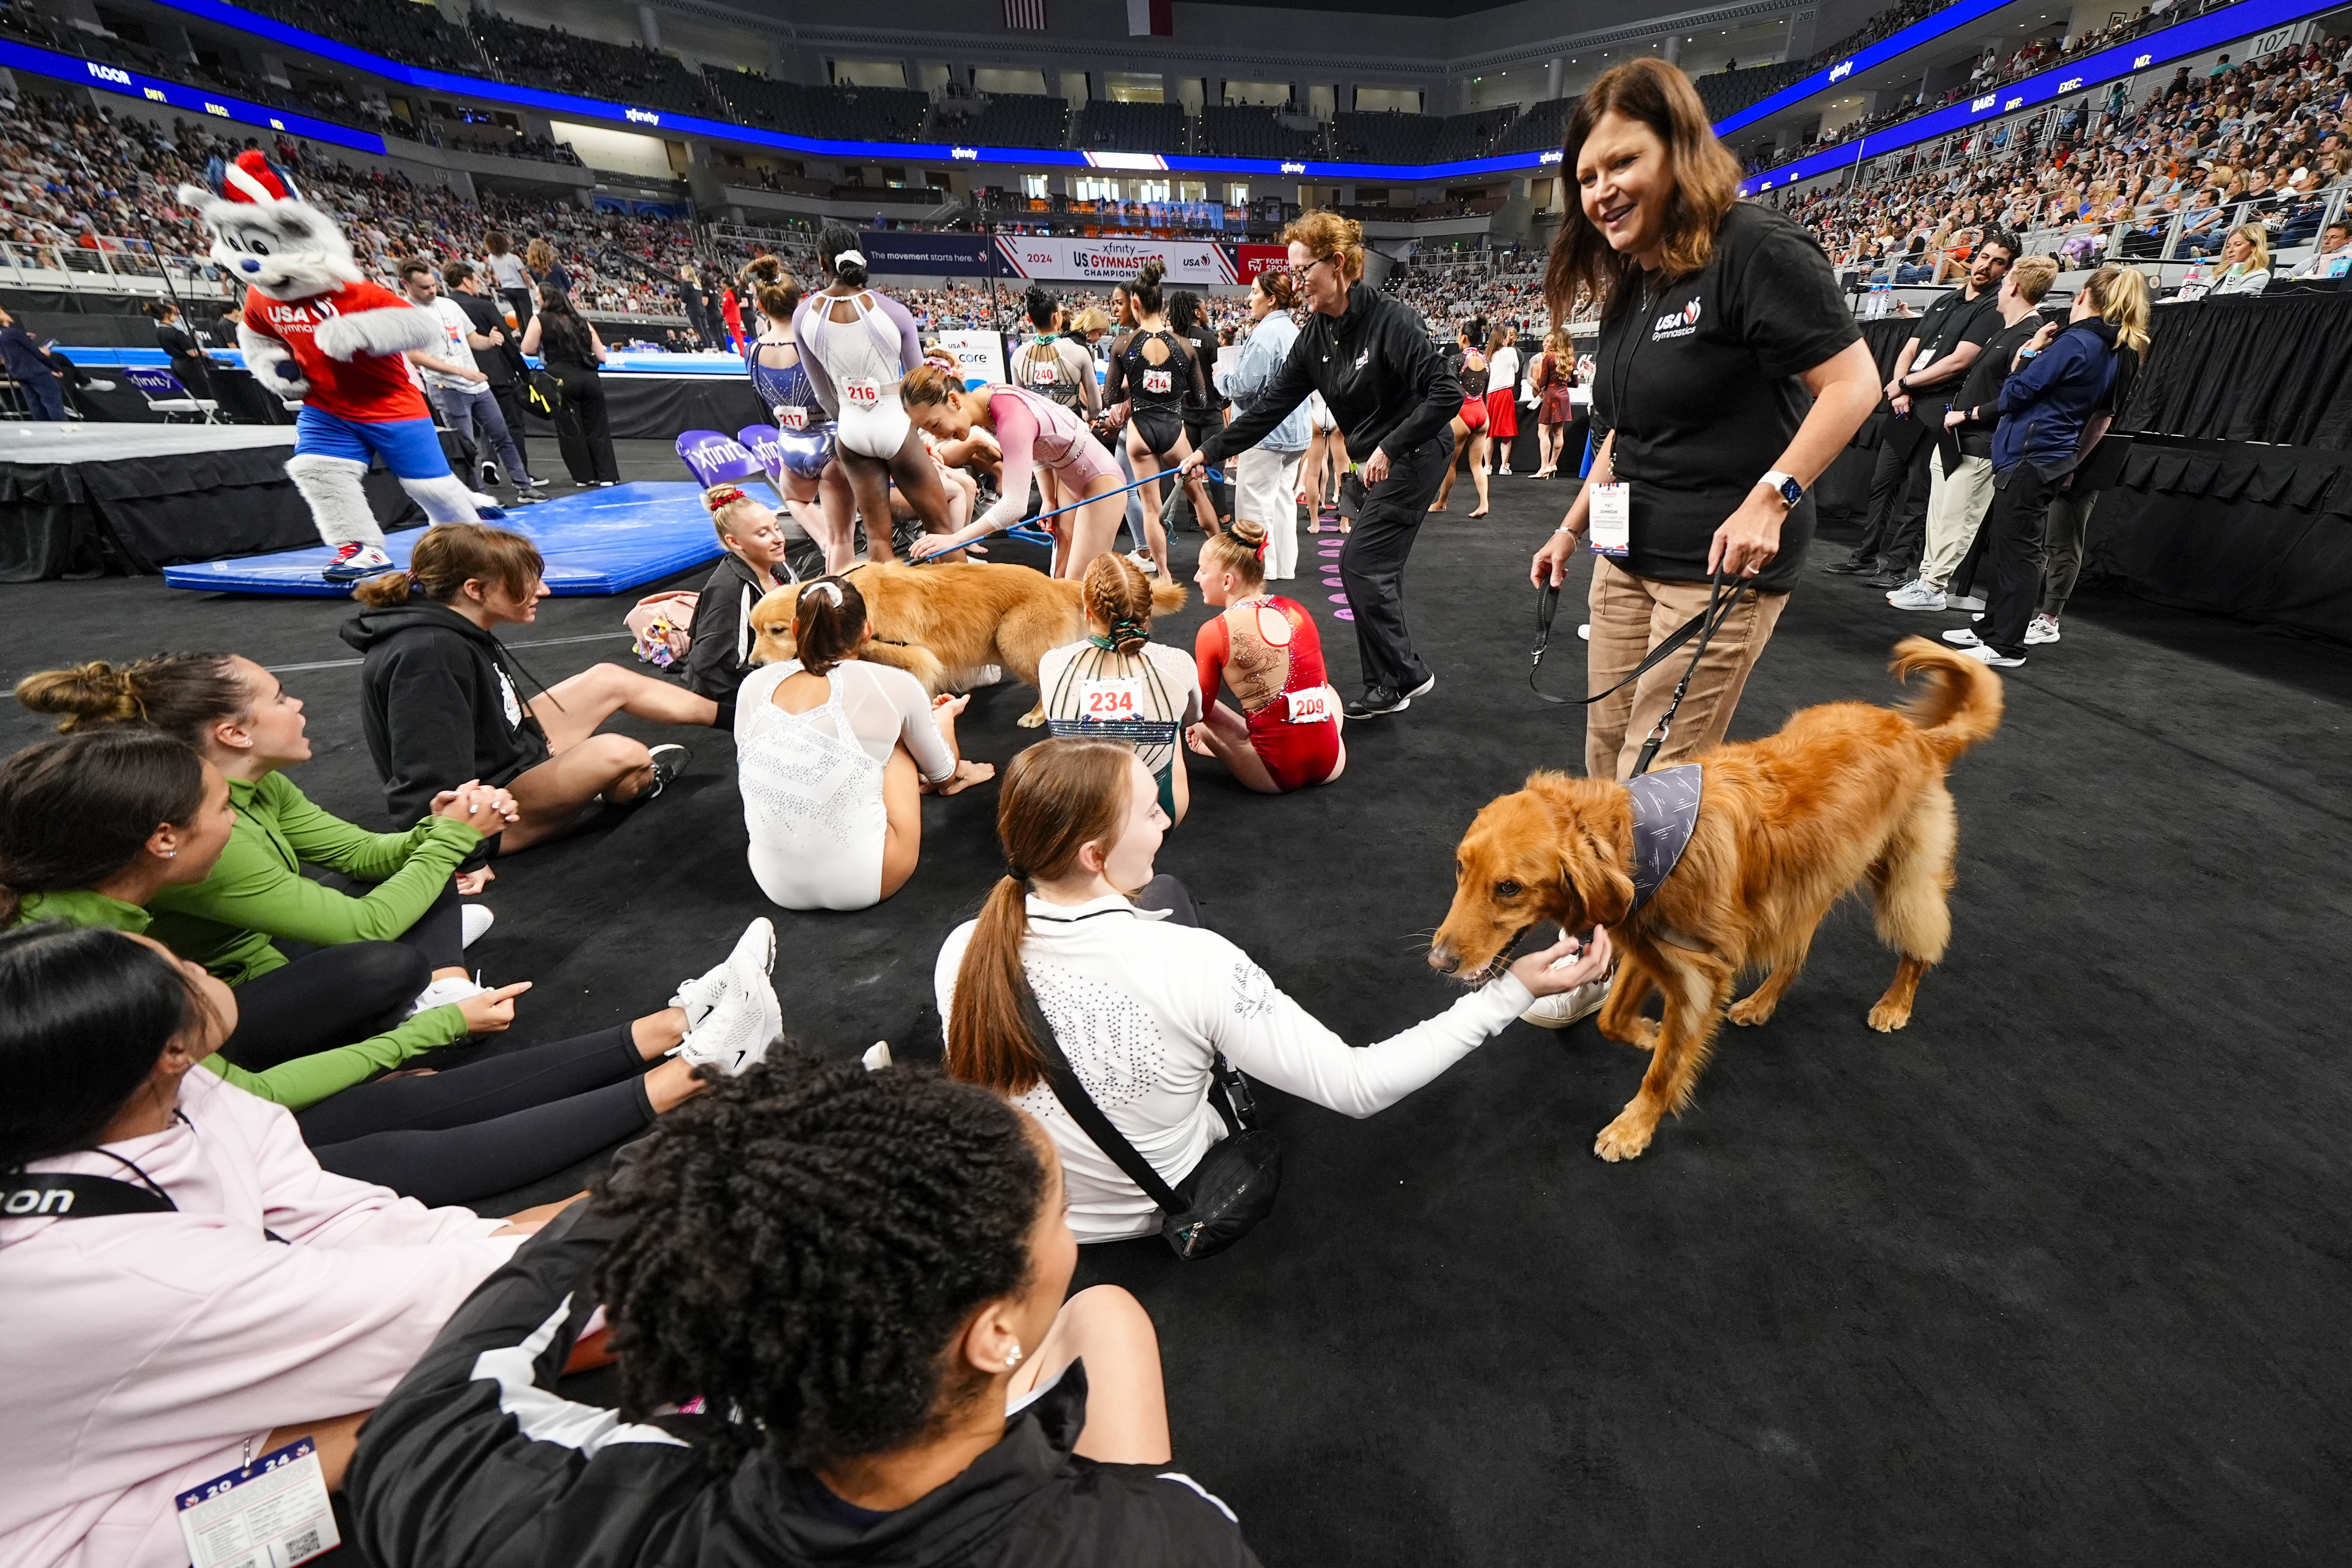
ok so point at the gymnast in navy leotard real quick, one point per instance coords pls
(814, 488)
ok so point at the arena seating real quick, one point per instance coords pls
(550, 57)
(1014, 119)
(1384, 138)
(1108, 125)
(1469, 135)
(866, 113)
(418, 34)
(753, 98)
(1538, 128)
(1729, 92)
(1240, 131)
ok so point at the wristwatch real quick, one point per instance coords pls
(1785, 485)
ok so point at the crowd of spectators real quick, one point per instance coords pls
(2261, 141)
(80, 179)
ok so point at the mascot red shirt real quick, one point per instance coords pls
(373, 387)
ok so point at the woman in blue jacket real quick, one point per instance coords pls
(2047, 407)
(1266, 476)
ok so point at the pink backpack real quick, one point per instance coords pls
(662, 625)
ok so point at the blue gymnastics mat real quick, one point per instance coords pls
(597, 541)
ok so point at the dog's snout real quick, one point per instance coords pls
(1444, 959)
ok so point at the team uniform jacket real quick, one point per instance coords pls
(475, 1462)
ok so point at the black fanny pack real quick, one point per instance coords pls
(1224, 1196)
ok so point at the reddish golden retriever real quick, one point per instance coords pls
(1847, 793)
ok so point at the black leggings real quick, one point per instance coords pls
(334, 996)
(490, 1126)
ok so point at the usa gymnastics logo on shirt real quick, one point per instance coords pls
(1679, 323)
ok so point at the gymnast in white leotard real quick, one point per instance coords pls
(1036, 435)
(819, 504)
(833, 754)
(856, 345)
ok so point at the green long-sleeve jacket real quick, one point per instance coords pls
(257, 890)
(303, 1081)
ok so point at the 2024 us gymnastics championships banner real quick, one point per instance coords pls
(1198, 262)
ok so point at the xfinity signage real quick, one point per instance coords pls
(1841, 70)
(969, 155)
(643, 116)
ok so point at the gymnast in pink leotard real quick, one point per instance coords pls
(1034, 432)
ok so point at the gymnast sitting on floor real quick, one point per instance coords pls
(719, 656)
(833, 754)
(443, 703)
(1119, 684)
(1286, 736)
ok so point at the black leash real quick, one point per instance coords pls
(1705, 625)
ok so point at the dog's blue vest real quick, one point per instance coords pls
(1665, 812)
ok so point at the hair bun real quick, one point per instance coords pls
(1152, 272)
(96, 690)
(1247, 531)
(720, 496)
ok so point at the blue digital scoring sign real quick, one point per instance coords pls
(193, 100)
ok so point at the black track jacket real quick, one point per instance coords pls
(1384, 380)
(475, 1461)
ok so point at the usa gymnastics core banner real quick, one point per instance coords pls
(1198, 262)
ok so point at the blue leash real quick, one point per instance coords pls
(1027, 532)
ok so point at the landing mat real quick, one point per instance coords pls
(596, 542)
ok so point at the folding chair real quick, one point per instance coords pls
(166, 395)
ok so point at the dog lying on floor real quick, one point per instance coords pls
(940, 623)
(1778, 831)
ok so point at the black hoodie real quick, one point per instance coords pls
(475, 1462)
(443, 703)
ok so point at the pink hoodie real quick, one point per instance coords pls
(143, 1352)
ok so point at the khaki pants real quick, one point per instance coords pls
(1956, 504)
(1630, 616)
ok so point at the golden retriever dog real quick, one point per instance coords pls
(940, 622)
(1845, 794)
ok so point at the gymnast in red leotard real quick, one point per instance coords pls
(1266, 647)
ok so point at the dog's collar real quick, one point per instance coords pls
(1665, 812)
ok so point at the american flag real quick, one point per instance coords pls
(1024, 15)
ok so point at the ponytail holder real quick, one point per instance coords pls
(720, 496)
(855, 258)
(831, 590)
(1260, 552)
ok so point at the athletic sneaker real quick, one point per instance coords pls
(2043, 629)
(1564, 1008)
(668, 761)
(531, 496)
(1144, 563)
(475, 920)
(1890, 579)
(489, 475)
(354, 561)
(1428, 684)
(1993, 656)
(1852, 566)
(732, 1013)
(1963, 601)
(442, 992)
(1917, 595)
(1376, 701)
(1961, 637)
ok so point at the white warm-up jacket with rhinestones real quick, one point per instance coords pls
(1141, 1006)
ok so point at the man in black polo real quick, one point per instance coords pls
(1927, 373)
(495, 353)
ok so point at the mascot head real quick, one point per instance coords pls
(266, 234)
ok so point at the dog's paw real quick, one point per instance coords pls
(1642, 1036)
(1888, 1017)
(1035, 718)
(1626, 1137)
(1749, 1011)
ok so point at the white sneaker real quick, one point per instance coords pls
(1961, 637)
(1144, 563)
(442, 992)
(732, 1013)
(1562, 1008)
(1917, 595)
(475, 920)
(1992, 655)
(878, 1056)
(2042, 629)
(1971, 601)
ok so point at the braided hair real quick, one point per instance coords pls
(805, 1243)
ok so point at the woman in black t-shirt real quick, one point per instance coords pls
(1729, 375)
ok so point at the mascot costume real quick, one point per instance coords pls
(314, 328)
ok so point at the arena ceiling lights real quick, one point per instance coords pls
(2239, 20)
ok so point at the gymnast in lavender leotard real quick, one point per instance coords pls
(1034, 432)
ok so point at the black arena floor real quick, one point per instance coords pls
(2058, 1274)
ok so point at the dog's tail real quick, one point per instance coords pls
(1168, 596)
(1961, 703)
